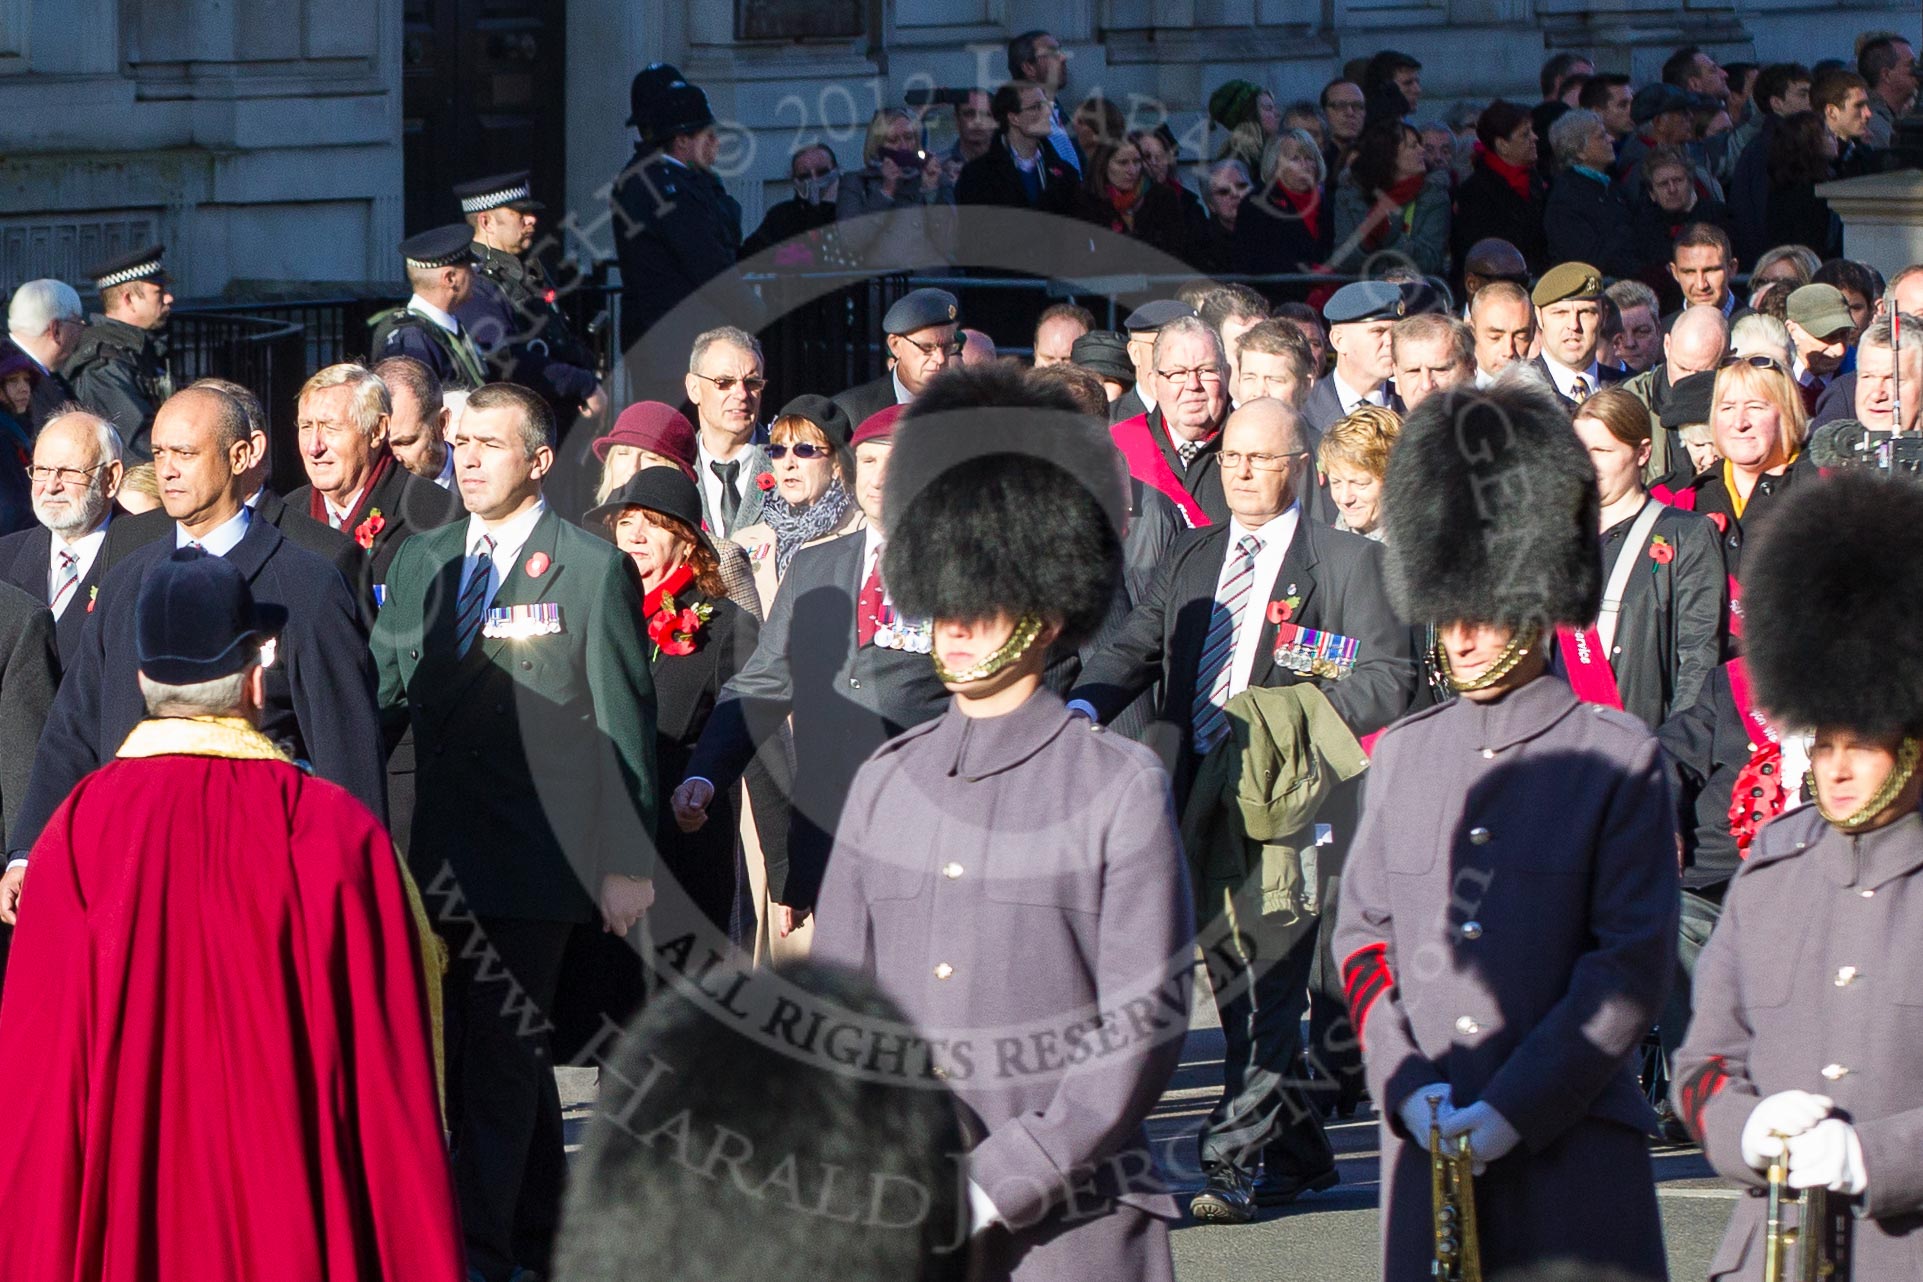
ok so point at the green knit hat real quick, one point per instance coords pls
(1234, 103)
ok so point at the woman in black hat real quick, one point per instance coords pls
(807, 485)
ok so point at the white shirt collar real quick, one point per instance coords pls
(902, 394)
(336, 513)
(1350, 398)
(509, 536)
(446, 479)
(1565, 378)
(223, 538)
(1276, 535)
(85, 549)
(421, 307)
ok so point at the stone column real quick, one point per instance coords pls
(1882, 218)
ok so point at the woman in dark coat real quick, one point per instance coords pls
(1289, 227)
(1802, 153)
(1503, 196)
(1117, 193)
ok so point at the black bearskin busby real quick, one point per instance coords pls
(1833, 604)
(1490, 512)
(1001, 497)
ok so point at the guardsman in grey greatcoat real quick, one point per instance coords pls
(1507, 919)
(1808, 1025)
(1010, 872)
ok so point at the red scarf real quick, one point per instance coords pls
(1401, 193)
(682, 575)
(1520, 180)
(1307, 206)
(317, 504)
(1121, 206)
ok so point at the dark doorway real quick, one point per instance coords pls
(484, 92)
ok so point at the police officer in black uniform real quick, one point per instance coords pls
(676, 230)
(119, 369)
(440, 267)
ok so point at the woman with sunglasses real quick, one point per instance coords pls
(806, 489)
(1757, 416)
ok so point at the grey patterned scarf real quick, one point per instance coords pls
(795, 526)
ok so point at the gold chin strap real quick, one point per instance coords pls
(1027, 628)
(1515, 652)
(1907, 756)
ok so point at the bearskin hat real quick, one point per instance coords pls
(1002, 498)
(1833, 602)
(1490, 512)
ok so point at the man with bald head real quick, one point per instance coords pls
(1210, 628)
(1490, 260)
(75, 475)
(319, 680)
(1696, 342)
(1503, 323)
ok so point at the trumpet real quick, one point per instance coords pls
(1809, 1244)
(1452, 1194)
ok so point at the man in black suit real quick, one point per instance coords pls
(45, 320)
(1190, 381)
(1362, 318)
(355, 484)
(1208, 629)
(320, 682)
(852, 675)
(76, 473)
(1023, 167)
(1568, 302)
(922, 333)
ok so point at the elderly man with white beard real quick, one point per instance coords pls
(76, 473)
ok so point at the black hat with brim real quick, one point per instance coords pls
(666, 490)
(124, 269)
(501, 191)
(196, 620)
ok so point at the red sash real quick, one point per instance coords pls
(1684, 500)
(1590, 675)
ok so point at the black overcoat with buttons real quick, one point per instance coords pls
(1507, 927)
(535, 772)
(1810, 983)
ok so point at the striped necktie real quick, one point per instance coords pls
(64, 580)
(473, 602)
(1579, 389)
(1218, 648)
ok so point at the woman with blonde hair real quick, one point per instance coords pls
(1354, 456)
(1759, 423)
(809, 485)
(898, 210)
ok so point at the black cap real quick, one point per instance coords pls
(824, 414)
(1105, 353)
(1689, 399)
(666, 490)
(1155, 314)
(135, 264)
(443, 247)
(502, 191)
(647, 86)
(920, 309)
(1654, 100)
(195, 620)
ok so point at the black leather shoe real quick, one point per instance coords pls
(1228, 1199)
(1282, 1188)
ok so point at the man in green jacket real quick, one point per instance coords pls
(511, 643)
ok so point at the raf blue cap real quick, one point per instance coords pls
(1153, 315)
(1366, 300)
(195, 620)
(921, 309)
(442, 247)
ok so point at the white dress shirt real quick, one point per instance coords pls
(1565, 378)
(1276, 535)
(510, 536)
(902, 394)
(711, 484)
(220, 540)
(86, 549)
(1350, 398)
(446, 479)
(337, 515)
(421, 307)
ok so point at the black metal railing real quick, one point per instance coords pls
(266, 355)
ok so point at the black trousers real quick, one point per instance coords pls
(1700, 913)
(504, 1110)
(1265, 1114)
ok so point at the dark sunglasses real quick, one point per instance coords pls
(802, 449)
(1758, 362)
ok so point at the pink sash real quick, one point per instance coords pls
(1136, 439)
(1590, 675)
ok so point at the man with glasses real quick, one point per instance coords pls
(922, 332)
(116, 368)
(1342, 104)
(75, 474)
(45, 321)
(1172, 446)
(1038, 58)
(724, 384)
(1213, 626)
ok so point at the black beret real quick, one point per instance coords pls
(1155, 314)
(1366, 300)
(1104, 352)
(824, 414)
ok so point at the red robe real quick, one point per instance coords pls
(217, 1046)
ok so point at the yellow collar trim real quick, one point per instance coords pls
(228, 737)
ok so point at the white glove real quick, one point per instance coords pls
(1786, 1113)
(1489, 1132)
(1828, 1156)
(1415, 1110)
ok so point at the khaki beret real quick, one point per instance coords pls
(1565, 281)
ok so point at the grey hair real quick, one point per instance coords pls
(107, 447)
(1297, 140)
(1183, 325)
(371, 402)
(1878, 334)
(214, 698)
(1633, 293)
(728, 334)
(1570, 134)
(1230, 162)
(1760, 335)
(38, 304)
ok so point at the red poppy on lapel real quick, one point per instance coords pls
(364, 532)
(537, 565)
